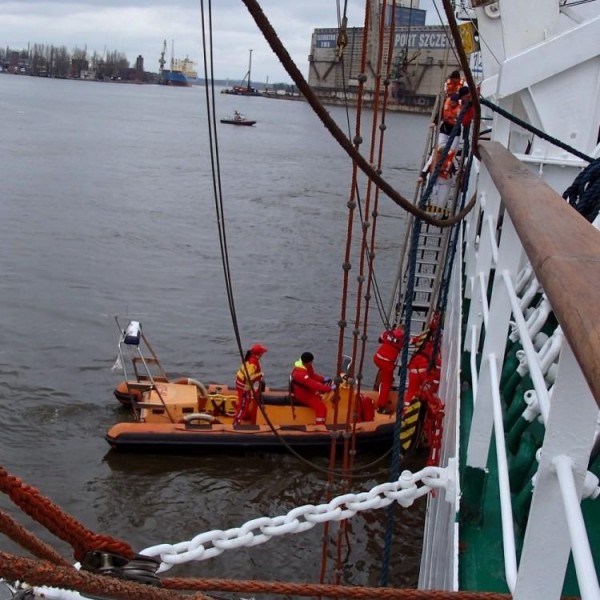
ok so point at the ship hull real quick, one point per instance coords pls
(174, 78)
(205, 438)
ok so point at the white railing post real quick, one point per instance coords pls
(484, 259)
(495, 342)
(572, 403)
(470, 232)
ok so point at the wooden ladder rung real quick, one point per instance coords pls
(147, 360)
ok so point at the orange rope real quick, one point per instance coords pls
(365, 260)
(42, 573)
(330, 591)
(28, 541)
(65, 527)
(346, 266)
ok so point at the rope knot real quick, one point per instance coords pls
(342, 39)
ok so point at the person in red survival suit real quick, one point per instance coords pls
(464, 95)
(420, 369)
(307, 385)
(247, 384)
(385, 360)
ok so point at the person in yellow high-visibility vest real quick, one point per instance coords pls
(247, 383)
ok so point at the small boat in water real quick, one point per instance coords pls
(185, 415)
(245, 88)
(238, 119)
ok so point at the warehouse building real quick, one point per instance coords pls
(422, 58)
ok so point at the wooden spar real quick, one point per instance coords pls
(564, 251)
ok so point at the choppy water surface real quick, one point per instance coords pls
(107, 209)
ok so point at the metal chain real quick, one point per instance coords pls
(212, 543)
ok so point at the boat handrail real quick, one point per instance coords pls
(526, 220)
(556, 239)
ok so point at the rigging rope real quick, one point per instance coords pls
(366, 248)
(206, 22)
(62, 525)
(464, 63)
(213, 140)
(270, 35)
(42, 573)
(450, 256)
(26, 539)
(408, 297)
(396, 457)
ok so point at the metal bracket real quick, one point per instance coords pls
(140, 568)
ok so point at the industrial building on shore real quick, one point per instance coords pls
(421, 60)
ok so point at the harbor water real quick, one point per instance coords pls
(107, 209)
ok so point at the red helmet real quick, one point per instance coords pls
(258, 349)
(398, 332)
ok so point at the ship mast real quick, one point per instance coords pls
(249, 69)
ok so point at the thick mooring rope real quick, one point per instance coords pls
(584, 193)
(62, 525)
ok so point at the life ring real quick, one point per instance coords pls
(201, 417)
(124, 395)
(202, 393)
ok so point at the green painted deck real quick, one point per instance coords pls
(481, 556)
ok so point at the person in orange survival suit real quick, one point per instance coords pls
(453, 83)
(420, 369)
(247, 384)
(440, 192)
(385, 360)
(307, 386)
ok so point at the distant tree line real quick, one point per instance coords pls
(42, 60)
(56, 61)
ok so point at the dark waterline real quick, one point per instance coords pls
(107, 209)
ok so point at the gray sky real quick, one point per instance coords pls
(139, 27)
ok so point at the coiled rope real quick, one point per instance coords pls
(584, 193)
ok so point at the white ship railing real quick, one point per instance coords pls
(523, 233)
